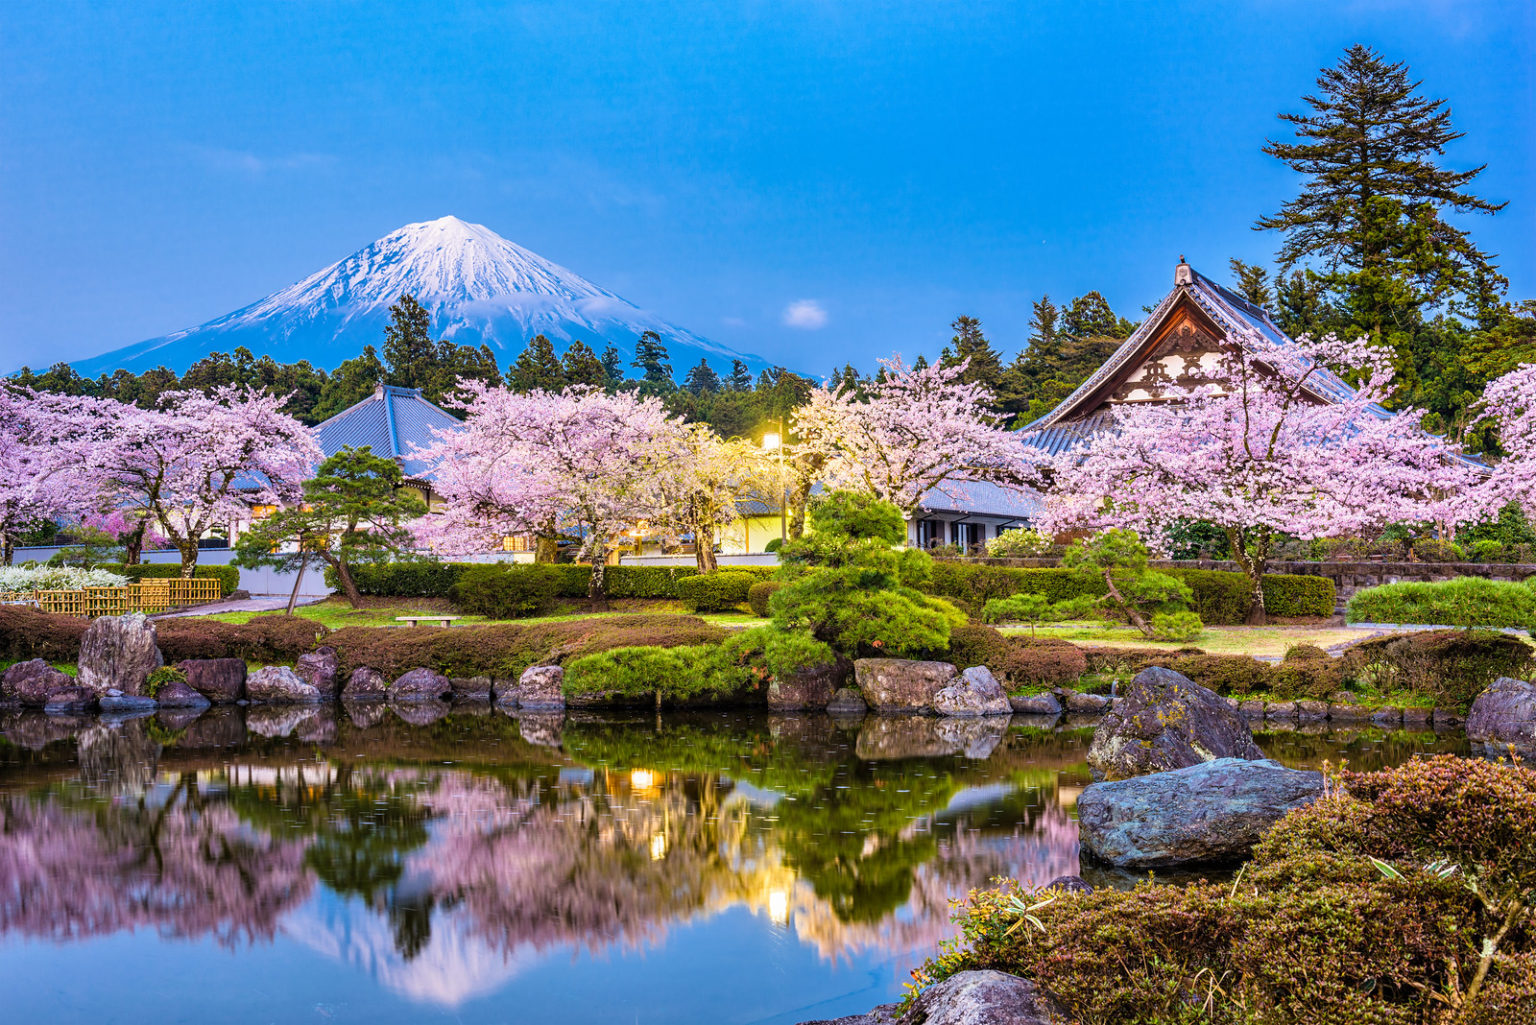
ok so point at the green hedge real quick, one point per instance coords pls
(427, 579)
(1464, 601)
(758, 595)
(495, 593)
(227, 576)
(715, 592)
(1221, 597)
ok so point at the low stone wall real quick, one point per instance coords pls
(1347, 577)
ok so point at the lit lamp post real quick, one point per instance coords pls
(775, 443)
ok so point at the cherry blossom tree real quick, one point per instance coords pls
(705, 483)
(914, 430)
(196, 461)
(1277, 444)
(1510, 401)
(576, 462)
(39, 478)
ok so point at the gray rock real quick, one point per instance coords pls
(1069, 884)
(279, 685)
(1505, 714)
(110, 702)
(318, 668)
(470, 688)
(1444, 718)
(220, 680)
(847, 701)
(69, 700)
(1348, 713)
(541, 688)
(1213, 812)
(1167, 722)
(1417, 718)
(976, 692)
(1036, 704)
(365, 684)
(973, 736)
(119, 652)
(984, 998)
(1253, 708)
(504, 691)
(31, 683)
(810, 688)
(885, 1014)
(178, 694)
(1308, 710)
(901, 685)
(1086, 704)
(1387, 717)
(1281, 710)
(420, 685)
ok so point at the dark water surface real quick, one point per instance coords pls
(304, 865)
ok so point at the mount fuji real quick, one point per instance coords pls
(479, 288)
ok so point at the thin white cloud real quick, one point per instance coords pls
(805, 314)
(256, 164)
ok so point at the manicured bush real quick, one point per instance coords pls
(26, 633)
(1288, 594)
(1104, 659)
(1304, 653)
(1386, 901)
(430, 579)
(1486, 550)
(423, 578)
(715, 592)
(1434, 549)
(1464, 601)
(1017, 661)
(505, 650)
(502, 591)
(1450, 667)
(274, 639)
(1178, 627)
(679, 673)
(227, 576)
(758, 595)
(1228, 675)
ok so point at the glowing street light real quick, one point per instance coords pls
(774, 442)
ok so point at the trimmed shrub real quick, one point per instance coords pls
(1289, 594)
(1464, 601)
(1434, 549)
(678, 673)
(429, 579)
(758, 595)
(1368, 905)
(424, 578)
(275, 639)
(26, 633)
(1451, 667)
(1017, 661)
(501, 591)
(1104, 659)
(505, 650)
(715, 592)
(1176, 626)
(227, 576)
(1232, 675)
(1304, 653)
(1486, 550)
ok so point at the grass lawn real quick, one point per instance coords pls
(1217, 640)
(335, 613)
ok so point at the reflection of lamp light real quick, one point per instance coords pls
(658, 846)
(778, 906)
(642, 779)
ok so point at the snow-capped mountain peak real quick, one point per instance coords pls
(478, 286)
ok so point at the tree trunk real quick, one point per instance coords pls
(546, 544)
(596, 592)
(348, 585)
(1253, 565)
(293, 596)
(133, 548)
(704, 548)
(1137, 619)
(799, 495)
(8, 549)
(188, 551)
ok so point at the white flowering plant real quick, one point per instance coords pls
(56, 578)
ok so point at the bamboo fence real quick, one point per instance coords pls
(148, 596)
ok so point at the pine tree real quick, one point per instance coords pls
(410, 354)
(740, 378)
(1043, 323)
(651, 360)
(580, 365)
(702, 379)
(986, 366)
(537, 367)
(1369, 214)
(921, 363)
(613, 366)
(1252, 283)
(1089, 316)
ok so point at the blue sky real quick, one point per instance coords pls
(815, 182)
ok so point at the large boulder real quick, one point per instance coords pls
(365, 684)
(901, 685)
(975, 692)
(847, 701)
(541, 688)
(70, 700)
(1213, 812)
(1505, 715)
(984, 998)
(177, 694)
(420, 685)
(30, 683)
(279, 685)
(1036, 704)
(220, 680)
(319, 669)
(1079, 703)
(811, 687)
(470, 688)
(119, 653)
(117, 701)
(1167, 721)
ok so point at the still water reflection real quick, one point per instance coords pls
(371, 865)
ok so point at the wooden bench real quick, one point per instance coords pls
(427, 617)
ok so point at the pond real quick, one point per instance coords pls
(321, 865)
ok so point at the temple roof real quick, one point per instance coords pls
(392, 422)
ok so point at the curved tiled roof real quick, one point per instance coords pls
(392, 422)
